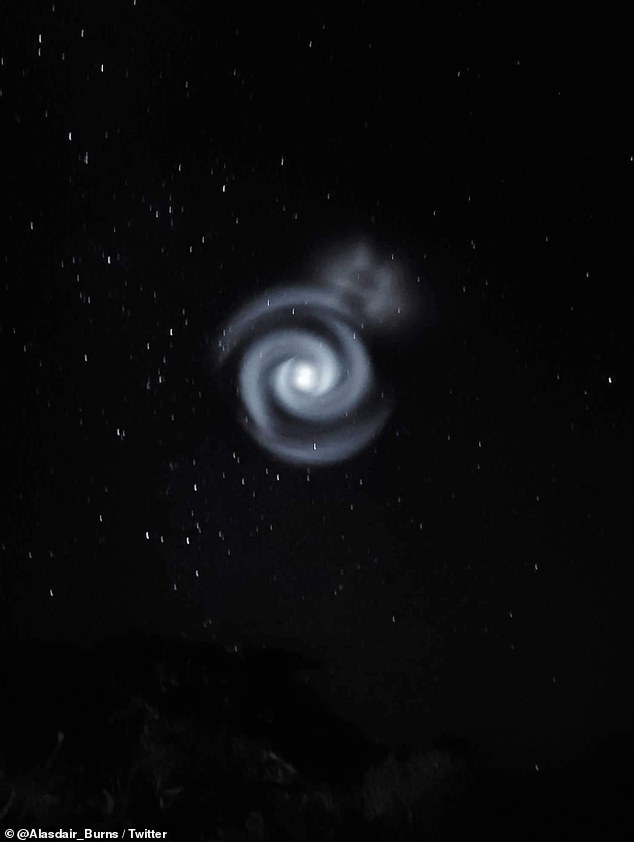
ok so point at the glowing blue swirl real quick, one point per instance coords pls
(304, 375)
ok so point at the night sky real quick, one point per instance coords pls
(468, 571)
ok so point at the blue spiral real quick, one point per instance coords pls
(304, 375)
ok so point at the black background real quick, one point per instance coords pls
(163, 162)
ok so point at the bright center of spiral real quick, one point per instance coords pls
(305, 376)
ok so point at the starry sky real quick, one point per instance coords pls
(467, 572)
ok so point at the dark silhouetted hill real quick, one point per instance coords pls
(209, 744)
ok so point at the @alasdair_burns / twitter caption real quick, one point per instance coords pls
(85, 834)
